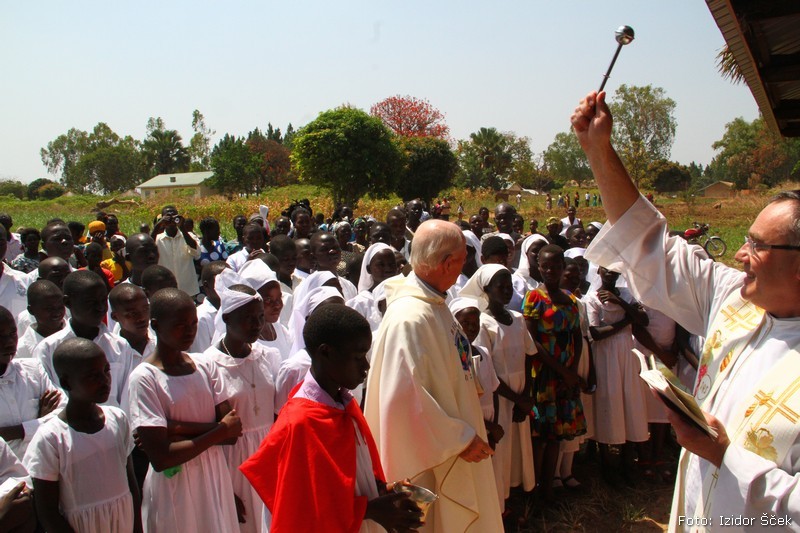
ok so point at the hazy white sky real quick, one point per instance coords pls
(516, 65)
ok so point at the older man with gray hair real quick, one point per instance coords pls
(422, 402)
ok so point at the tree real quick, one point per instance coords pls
(270, 159)
(429, 167)
(288, 138)
(62, 155)
(644, 127)
(200, 143)
(35, 185)
(50, 190)
(349, 153)
(233, 165)
(100, 161)
(668, 176)
(411, 117)
(13, 188)
(488, 159)
(165, 153)
(566, 160)
(728, 67)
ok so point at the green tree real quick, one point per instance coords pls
(348, 152)
(62, 155)
(429, 167)
(288, 138)
(565, 160)
(13, 188)
(644, 127)
(35, 185)
(100, 161)
(50, 190)
(165, 153)
(492, 150)
(233, 164)
(668, 176)
(200, 143)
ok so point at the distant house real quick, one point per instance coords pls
(718, 189)
(185, 183)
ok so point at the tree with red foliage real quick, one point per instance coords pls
(411, 117)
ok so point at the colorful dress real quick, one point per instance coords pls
(558, 411)
(217, 252)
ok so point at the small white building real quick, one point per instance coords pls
(185, 183)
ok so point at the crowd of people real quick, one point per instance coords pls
(170, 381)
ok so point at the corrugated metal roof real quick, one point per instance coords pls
(182, 179)
(764, 39)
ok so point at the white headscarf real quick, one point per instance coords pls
(474, 243)
(365, 280)
(461, 303)
(475, 287)
(524, 267)
(598, 225)
(303, 308)
(230, 300)
(256, 274)
(574, 252)
(379, 292)
(312, 281)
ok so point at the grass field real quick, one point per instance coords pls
(730, 221)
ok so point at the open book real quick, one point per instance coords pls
(665, 383)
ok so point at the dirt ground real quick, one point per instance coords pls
(598, 506)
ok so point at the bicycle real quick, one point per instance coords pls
(712, 244)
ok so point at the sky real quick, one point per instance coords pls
(515, 65)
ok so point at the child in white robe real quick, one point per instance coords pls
(378, 265)
(27, 396)
(46, 305)
(468, 315)
(172, 405)
(264, 280)
(79, 460)
(85, 294)
(244, 374)
(16, 497)
(207, 311)
(620, 403)
(505, 337)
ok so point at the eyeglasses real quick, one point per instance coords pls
(754, 247)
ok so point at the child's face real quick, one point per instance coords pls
(254, 239)
(496, 259)
(608, 277)
(401, 262)
(31, 242)
(246, 322)
(327, 253)
(8, 341)
(348, 365)
(382, 266)
(177, 330)
(302, 224)
(287, 262)
(91, 380)
(134, 315)
(90, 305)
(551, 267)
(304, 258)
(94, 255)
(48, 311)
(500, 289)
(470, 320)
(571, 278)
(273, 302)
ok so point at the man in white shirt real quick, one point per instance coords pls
(14, 247)
(569, 221)
(13, 285)
(747, 377)
(177, 250)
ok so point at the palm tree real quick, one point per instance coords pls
(492, 150)
(728, 67)
(165, 152)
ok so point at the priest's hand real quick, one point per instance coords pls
(698, 442)
(395, 512)
(477, 451)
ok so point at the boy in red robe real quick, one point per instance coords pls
(318, 468)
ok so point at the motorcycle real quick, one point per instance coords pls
(712, 244)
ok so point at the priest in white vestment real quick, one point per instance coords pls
(422, 404)
(748, 477)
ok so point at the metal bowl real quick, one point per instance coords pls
(423, 497)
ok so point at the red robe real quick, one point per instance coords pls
(305, 469)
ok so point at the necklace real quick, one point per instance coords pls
(252, 383)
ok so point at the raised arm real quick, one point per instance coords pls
(592, 123)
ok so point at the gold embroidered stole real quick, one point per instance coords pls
(735, 326)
